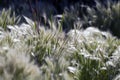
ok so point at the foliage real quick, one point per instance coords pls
(8, 18)
(32, 52)
(105, 17)
(71, 18)
(94, 53)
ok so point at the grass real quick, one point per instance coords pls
(105, 17)
(33, 52)
(7, 17)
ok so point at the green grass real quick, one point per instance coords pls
(32, 52)
(105, 17)
(7, 17)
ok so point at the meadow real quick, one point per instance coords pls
(89, 49)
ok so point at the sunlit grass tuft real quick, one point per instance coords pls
(7, 17)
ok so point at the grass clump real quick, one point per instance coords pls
(7, 17)
(15, 63)
(105, 17)
(54, 55)
(93, 54)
